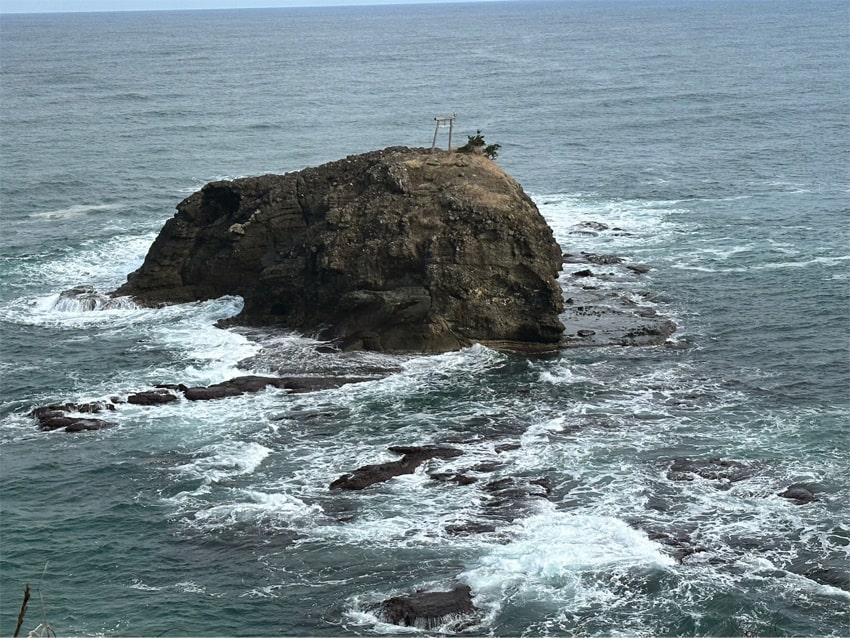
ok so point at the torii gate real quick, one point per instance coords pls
(442, 122)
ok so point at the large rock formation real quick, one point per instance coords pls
(400, 249)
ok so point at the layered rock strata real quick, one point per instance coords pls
(395, 250)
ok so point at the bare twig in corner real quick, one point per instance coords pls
(43, 629)
(23, 611)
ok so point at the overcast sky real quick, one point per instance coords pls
(38, 6)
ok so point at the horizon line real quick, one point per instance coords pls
(294, 5)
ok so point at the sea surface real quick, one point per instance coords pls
(705, 139)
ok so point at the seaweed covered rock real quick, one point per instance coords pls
(400, 249)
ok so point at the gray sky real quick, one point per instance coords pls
(38, 6)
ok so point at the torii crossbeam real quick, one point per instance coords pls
(443, 122)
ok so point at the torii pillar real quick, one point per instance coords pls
(443, 122)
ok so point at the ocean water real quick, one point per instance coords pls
(707, 140)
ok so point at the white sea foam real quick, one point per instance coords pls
(100, 263)
(221, 461)
(550, 553)
(384, 512)
(631, 223)
(138, 584)
(211, 353)
(475, 359)
(58, 310)
(358, 614)
(422, 375)
(699, 264)
(563, 374)
(273, 510)
(75, 211)
(190, 587)
(98, 266)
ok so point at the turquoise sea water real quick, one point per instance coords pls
(714, 134)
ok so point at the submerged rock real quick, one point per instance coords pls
(640, 269)
(400, 250)
(684, 469)
(430, 609)
(799, 492)
(831, 576)
(599, 318)
(679, 544)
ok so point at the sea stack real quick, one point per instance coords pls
(400, 249)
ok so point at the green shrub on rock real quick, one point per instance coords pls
(476, 144)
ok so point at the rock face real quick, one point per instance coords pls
(401, 249)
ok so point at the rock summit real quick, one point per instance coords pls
(400, 249)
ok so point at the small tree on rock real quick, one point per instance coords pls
(476, 144)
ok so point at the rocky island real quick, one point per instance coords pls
(401, 249)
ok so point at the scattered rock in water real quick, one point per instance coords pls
(426, 451)
(177, 387)
(470, 528)
(513, 488)
(593, 225)
(487, 466)
(679, 544)
(602, 260)
(683, 469)
(233, 387)
(413, 457)
(646, 312)
(595, 318)
(592, 258)
(87, 299)
(252, 383)
(430, 610)
(508, 498)
(830, 576)
(453, 477)
(648, 334)
(569, 258)
(507, 447)
(59, 416)
(799, 492)
(545, 482)
(152, 397)
(583, 273)
(640, 269)
(87, 425)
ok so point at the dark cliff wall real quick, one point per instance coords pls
(399, 249)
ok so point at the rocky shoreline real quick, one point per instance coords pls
(475, 264)
(503, 496)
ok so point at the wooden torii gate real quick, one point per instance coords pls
(443, 122)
